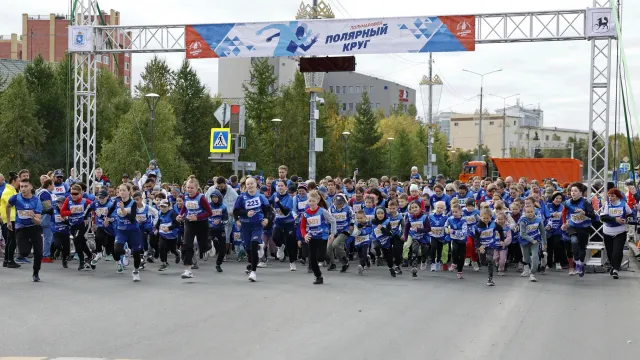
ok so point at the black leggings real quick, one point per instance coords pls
(118, 251)
(317, 253)
(363, 251)
(397, 245)
(104, 239)
(29, 238)
(458, 250)
(62, 242)
(154, 244)
(253, 256)
(284, 234)
(193, 230)
(220, 243)
(554, 254)
(436, 250)
(615, 248)
(579, 246)
(388, 256)
(80, 242)
(10, 242)
(166, 246)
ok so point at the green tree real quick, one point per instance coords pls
(412, 111)
(402, 154)
(64, 89)
(330, 127)
(22, 136)
(157, 77)
(112, 102)
(443, 156)
(193, 108)
(365, 140)
(127, 152)
(50, 111)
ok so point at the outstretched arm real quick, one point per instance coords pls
(307, 47)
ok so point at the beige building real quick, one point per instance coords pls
(516, 132)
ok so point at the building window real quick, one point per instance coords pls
(126, 54)
(455, 124)
(377, 105)
(337, 89)
(350, 89)
(126, 79)
(350, 106)
(98, 58)
(546, 137)
(357, 89)
(344, 106)
(344, 89)
(126, 66)
(490, 122)
(331, 89)
(370, 90)
(105, 59)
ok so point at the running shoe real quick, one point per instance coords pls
(532, 278)
(136, 275)
(125, 260)
(379, 261)
(615, 274)
(459, 276)
(36, 278)
(475, 265)
(452, 268)
(47, 260)
(80, 266)
(438, 267)
(292, 266)
(318, 281)
(280, 253)
(368, 262)
(526, 271)
(262, 264)
(119, 267)
(558, 267)
(490, 282)
(260, 250)
(178, 257)
(65, 264)
(467, 261)
(218, 268)
(445, 267)
(187, 274)
(23, 260)
(252, 276)
(195, 267)
(543, 261)
(414, 271)
(392, 272)
(500, 273)
(582, 269)
(344, 268)
(13, 265)
(108, 258)
(96, 257)
(360, 270)
(572, 271)
(163, 267)
(332, 267)
(398, 270)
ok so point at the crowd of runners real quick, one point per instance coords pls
(521, 226)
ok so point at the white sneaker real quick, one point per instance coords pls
(543, 261)
(280, 253)
(526, 271)
(360, 270)
(187, 274)
(292, 267)
(136, 275)
(572, 271)
(95, 259)
(558, 267)
(434, 267)
(262, 264)
(532, 278)
(438, 267)
(423, 266)
(475, 265)
(467, 261)
(260, 251)
(252, 276)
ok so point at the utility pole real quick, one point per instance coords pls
(479, 157)
(430, 121)
(312, 115)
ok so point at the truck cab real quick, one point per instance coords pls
(471, 169)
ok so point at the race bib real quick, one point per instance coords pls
(302, 205)
(278, 212)
(486, 233)
(417, 225)
(101, 211)
(616, 212)
(236, 236)
(165, 227)
(340, 216)
(378, 232)
(470, 219)
(76, 209)
(361, 239)
(216, 212)
(192, 204)
(370, 217)
(59, 190)
(437, 232)
(122, 212)
(394, 224)
(532, 228)
(216, 222)
(313, 221)
(24, 214)
(59, 219)
(458, 234)
(141, 218)
(252, 204)
(578, 218)
(357, 207)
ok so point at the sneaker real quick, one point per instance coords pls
(414, 271)
(344, 268)
(309, 271)
(252, 276)
(163, 267)
(360, 270)
(423, 266)
(526, 271)
(260, 251)
(292, 266)
(490, 282)
(434, 267)
(405, 263)
(467, 262)
(303, 261)
(96, 257)
(500, 273)
(47, 260)
(438, 267)
(218, 268)
(445, 267)
(572, 271)
(543, 261)
(615, 274)
(520, 267)
(379, 261)
(36, 278)
(195, 267)
(532, 278)
(368, 262)
(318, 281)
(23, 260)
(187, 274)
(558, 267)
(476, 267)
(392, 272)
(581, 272)
(150, 259)
(5, 263)
(65, 264)
(13, 265)
(119, 267)
(136, 275)
(452, 268)
(332, 267)
(108, 258)
(398, 270)
(178, 257)
(459, 276)
(262, 264)
(80, 266)
(280, 253)
(542, 270)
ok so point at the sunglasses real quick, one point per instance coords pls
(75, 194)
(449, 191)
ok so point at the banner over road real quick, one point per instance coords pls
(331, 37)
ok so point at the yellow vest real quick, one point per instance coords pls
(8, 192)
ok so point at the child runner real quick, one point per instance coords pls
(362, 233)
(488, 236)
(344, 227)
(299, 205)
(317, 226)
(471, 216)
(127, 230)
(396, 221)
(382, 236)
(167, 230)
(418, 228)
(500, 254)
(577, 217)
(195, 212)
(554, 233)
(456, 228)
(438, 236)
(61, 231)
(283, 225)
(75, 209)
(217, 224)
(532, 233)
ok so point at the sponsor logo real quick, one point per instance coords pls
(195, 48)
(463, 28)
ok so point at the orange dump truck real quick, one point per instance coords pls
(563, 170)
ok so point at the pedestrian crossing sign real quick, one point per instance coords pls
(220, 140)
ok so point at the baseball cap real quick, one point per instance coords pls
(125, 175)
(264, 189)
(60, 199)
(210, 183)
(322, 189)
(164, 202)
(103, 194)
(292, 188)
(58, 173)
(439, 177)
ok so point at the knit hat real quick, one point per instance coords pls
(414, 187)
(303, 186)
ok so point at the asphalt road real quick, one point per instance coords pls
(283, 316)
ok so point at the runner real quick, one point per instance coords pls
(28, 209)
(195, 214)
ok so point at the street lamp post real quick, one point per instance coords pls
(504, 121)
(479, 158)
(390, 139)
(152, 100)
(345, 137)
(276, 123)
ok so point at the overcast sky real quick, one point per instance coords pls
(553, 75)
